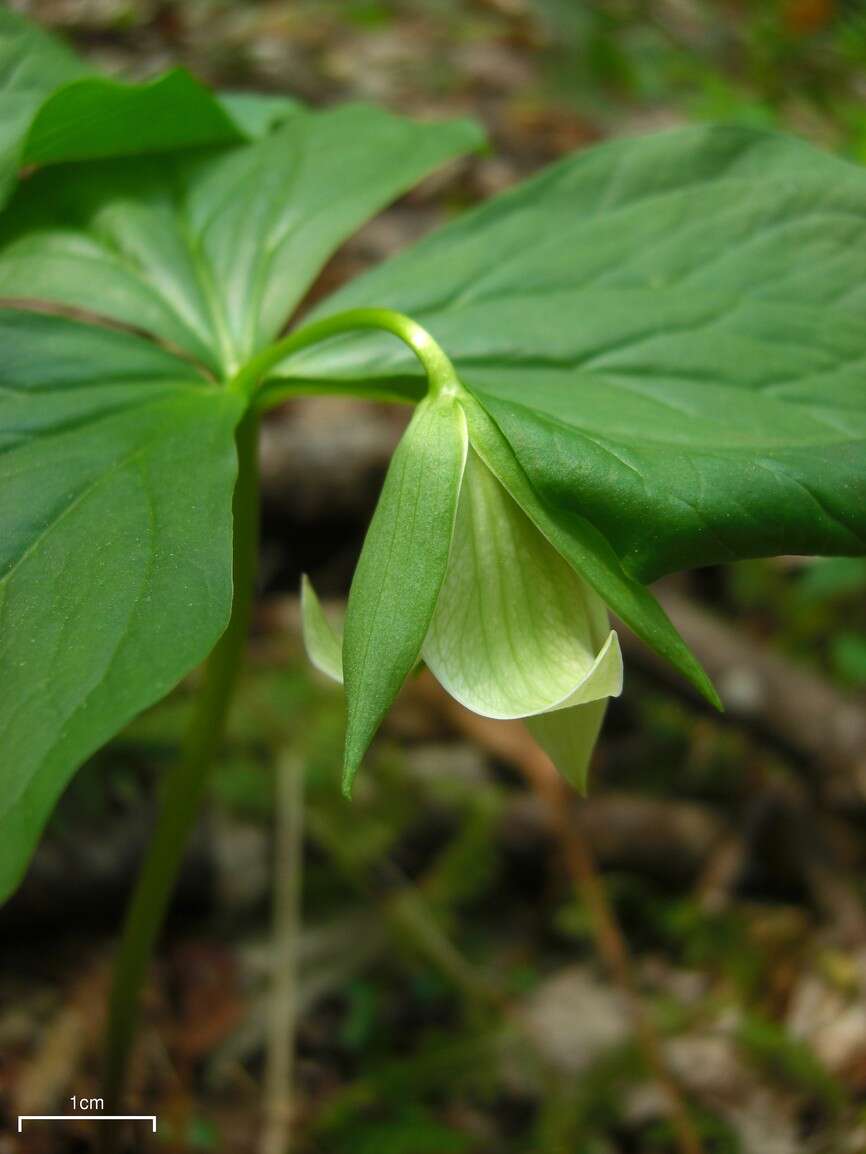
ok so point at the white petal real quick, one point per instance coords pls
(322, 642)
(568, 737)
(516, 631)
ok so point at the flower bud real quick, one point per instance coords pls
(514, 632)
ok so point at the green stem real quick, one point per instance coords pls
(186, 781)
(441, 376)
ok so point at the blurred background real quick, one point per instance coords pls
(472, 961)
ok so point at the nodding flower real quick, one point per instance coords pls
(513, 630)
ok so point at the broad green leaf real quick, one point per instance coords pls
(117, 465)
(53, 108)
(212, 252)
(568, 737)
(401, 569)
(99, 117)
(516, 631)
(669, 332)
(323, 644)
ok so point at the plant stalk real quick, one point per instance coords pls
(441, 377)
(186, 781)
(288, 870)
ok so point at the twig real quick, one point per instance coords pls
(512, 742)
(288, 863)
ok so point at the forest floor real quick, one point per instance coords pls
(479, 963)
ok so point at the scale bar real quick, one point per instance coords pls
(22, 1118)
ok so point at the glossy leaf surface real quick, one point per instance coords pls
(212, 252)
(117, 465)
(669, 331)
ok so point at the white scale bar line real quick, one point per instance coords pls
(22, 1118)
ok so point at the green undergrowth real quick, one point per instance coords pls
(418, 1051)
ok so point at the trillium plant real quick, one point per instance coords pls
(648, 357)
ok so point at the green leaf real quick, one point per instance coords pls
(117, 465)
(516, 631)
(401, 569)
(211, 252)
(99, 117)
(53, 108)
(668, 331)
(32, 64)
(323, 643)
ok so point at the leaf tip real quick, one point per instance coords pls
(710, 693)
(349, 771)
(694, 672)
(354, 750)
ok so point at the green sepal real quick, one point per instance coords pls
(401, 569)
(324, 645)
